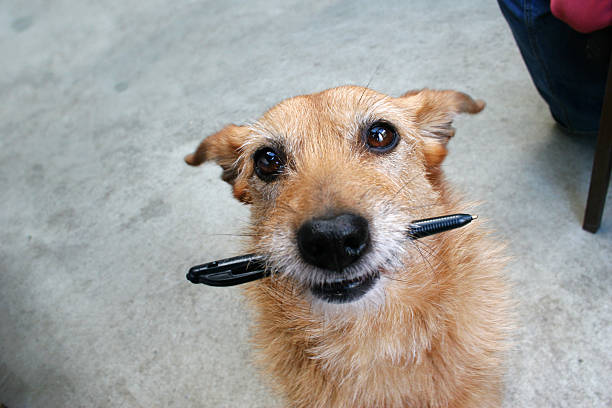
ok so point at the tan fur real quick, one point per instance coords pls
(433, 331)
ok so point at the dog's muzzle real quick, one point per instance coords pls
(334, 243)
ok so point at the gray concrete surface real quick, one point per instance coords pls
(100, 100)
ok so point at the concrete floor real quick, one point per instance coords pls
(101, 218)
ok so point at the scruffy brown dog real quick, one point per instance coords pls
(356, 314)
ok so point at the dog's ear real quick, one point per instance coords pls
(433, 113)
(224, 148)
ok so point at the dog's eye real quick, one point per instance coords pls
(268, 164)
(381, 137)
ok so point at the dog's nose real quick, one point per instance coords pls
(333, 243)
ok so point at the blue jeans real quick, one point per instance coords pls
(568, 68)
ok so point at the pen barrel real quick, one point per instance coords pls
(430, 226)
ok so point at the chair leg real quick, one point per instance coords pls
(602, 164)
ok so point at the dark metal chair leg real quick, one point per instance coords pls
(602, 164)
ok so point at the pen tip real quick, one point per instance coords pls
(474, 217)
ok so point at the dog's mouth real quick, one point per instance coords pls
(344, 291)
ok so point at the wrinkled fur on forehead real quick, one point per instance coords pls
(328, 116)
(327, 125)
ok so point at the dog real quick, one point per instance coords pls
(356, 314)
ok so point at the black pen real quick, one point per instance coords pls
(250, 267)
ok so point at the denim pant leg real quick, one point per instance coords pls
(565, 70)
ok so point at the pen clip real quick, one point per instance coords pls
(230, 271)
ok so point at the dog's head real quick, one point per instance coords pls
(334, 179)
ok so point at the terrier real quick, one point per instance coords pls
(356, 314)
